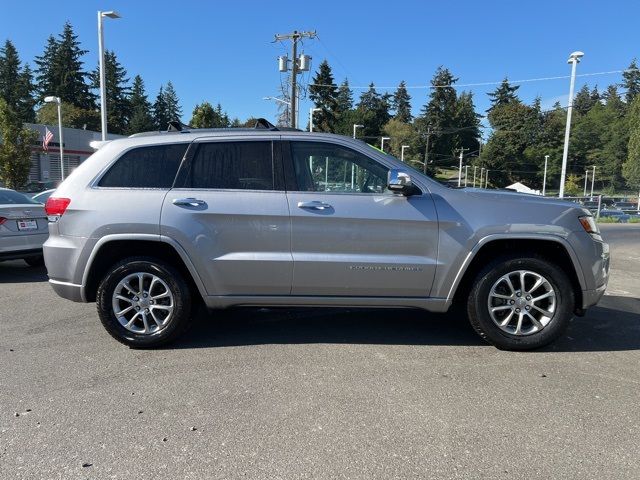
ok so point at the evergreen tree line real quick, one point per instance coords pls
(605, 130)
(60, 71)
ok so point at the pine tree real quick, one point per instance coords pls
(60, 70)
(323, 92)
(117, 93)
(631, 81)
(141, 118)
(174, 111)
(344, 97)
(401, 104)
(438, 115)
(505, 93)
(373, 109)
(160, 114)
(467, 122)
(16, 85)
(583, 101)
(631, 167)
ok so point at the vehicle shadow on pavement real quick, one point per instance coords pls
(17, 271)
(611, 326)
(245, 326)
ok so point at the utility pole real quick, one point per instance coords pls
(486, 182)
(460, 167)
(474, 176)
(297, 65)
(426, 150)
(593, 179)
(466, 174)
(544, 177)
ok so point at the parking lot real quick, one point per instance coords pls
(314, 393)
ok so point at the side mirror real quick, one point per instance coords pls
(399, 181)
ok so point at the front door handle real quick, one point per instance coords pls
(188, 202)
(314, 205)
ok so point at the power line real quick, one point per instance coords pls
(484, 84)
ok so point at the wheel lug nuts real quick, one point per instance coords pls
(137, 308)
(512, 302)
(135, 299)
(517, 310)
(144, 295)
(518, 294)
(527, 307)
(528, 297)
(146, 310)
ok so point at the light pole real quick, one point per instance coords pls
(103, 87)
(474, 176)
(402, 148)
(355, 126)
(382, 142)
(544, 177)
(57, 101)
(593, 180)
(586, 179)
(466, 174)
(481, 176)
(574, 59)
(486, 181)
(311, 112)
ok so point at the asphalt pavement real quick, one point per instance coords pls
(312, 393)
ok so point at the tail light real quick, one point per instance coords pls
(2, 220)
(55, 207)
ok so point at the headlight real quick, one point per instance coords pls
(589, 225)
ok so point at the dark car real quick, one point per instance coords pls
(617, 215)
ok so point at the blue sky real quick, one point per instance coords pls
(223, 51)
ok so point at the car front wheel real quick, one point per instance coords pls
(521, 303)
(144, 302)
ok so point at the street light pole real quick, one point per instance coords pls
(402, 151)
(58, 102)
(382, 142)
(354, 129)
(544, 177)
(466, 174)
(460, 166)
(486, 182)
(586, 179)
(103, 87)
(593, 179)
(474, 176)
(574, 59)
(311, 112)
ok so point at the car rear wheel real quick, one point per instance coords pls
(144, 302)
(521, 303)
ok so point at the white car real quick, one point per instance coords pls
(23, 228)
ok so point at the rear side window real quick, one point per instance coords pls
(146, 167)
(232, 165)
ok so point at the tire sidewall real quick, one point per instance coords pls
(177, 286)
(479, 311)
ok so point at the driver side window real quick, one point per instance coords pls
(324, 167)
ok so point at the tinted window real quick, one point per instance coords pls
(323, 167)
(9, 197)
(232, 165)
(146, 167)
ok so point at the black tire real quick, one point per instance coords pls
(478, 309)
(35, 261)
(178, 287)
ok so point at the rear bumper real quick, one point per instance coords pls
(21, 246)
(70, 291)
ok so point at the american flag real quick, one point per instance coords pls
(48, 136)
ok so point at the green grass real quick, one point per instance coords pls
(634, 220)
(607, 220)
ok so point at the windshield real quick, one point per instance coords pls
(10, 197)
(407, 165)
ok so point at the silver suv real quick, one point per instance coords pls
(153, 224)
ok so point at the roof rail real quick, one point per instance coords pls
(176, 126)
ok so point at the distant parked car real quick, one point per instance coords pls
(617, 215)
(43, 196)
(627, 207)
(591, 205)
(23, 228)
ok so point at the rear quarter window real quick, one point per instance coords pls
(145, 167)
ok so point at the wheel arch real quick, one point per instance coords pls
(111, 249)
(552, 248)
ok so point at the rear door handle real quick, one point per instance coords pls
(314, 205)
(188, 202)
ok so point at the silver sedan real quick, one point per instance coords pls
(23, 228)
